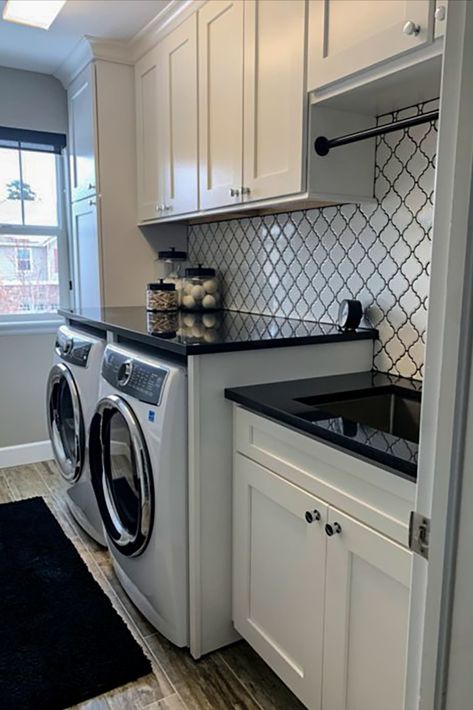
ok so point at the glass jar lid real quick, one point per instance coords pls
(199, 271)
(161, 286)
(172, 254)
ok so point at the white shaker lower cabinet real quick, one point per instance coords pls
(366, 618)
(320, 596)
(279, 569)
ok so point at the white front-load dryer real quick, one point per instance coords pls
(72, 393)
(138, 444)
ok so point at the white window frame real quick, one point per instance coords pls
(14, 323)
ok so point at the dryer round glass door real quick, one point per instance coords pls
(121, 475)
(65, 422)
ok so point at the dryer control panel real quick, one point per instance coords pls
(136, 378)
(73, 349)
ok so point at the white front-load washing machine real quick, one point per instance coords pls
(72, 393)
(138, 445)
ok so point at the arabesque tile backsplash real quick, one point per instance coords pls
(302, 264)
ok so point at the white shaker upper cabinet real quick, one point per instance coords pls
(366, 618)
(147, 119)
(346, 36)
(81, 109)
(221, 102)
(274, 98)
(177, 100)
(279, 575)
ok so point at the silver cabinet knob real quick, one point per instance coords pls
(411, 28)
(159, 208)
(334, 529)
(234, 192)
(312, 515)
(92, 203)
(91, 186)
(441, 13)
(167, 208)
(245, 190)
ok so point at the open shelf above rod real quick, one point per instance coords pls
(323, 145)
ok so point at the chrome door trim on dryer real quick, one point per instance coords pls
(130, 542)
(70, 464)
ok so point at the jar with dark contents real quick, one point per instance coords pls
(175, 263)
(161, 296)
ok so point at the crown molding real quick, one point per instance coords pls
(126, 52)
(77, 60)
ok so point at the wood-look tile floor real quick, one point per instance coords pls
(234, 677)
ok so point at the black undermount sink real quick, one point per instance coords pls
(391, 409)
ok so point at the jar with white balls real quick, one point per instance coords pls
(201, 290)
(175, 263)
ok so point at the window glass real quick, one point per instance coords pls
(39, 188)
(10, 187)
(29, 278)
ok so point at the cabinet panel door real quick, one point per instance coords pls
(220, 101)
(177, 100)
(81, 109)
(275, 98)
(346, 36)
(278, 576)
(366, 618)
(87, 257)
(147, 119)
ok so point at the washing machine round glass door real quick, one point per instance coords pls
(65, 422)
(121, 475)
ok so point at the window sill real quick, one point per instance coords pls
(32, 327)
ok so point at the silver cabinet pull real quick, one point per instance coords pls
(440, 13)
(234, 192)
(245, 190)
(334, 529)
(411, 28)
(312, 515)
(92, 203)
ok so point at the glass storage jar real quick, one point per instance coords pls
(161, 296)
(175, 263)
(201, 290)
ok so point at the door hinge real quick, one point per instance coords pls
(419, 534)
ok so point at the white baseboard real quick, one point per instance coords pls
(25, 453)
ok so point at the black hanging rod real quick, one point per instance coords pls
(323, 145)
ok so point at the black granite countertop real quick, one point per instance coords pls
(281, 401)
(222, 331)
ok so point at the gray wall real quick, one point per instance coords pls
(38, 102)
(25, 361)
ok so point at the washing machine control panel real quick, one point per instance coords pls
(75, 349)
(134, 377)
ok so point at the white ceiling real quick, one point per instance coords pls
(44, 51)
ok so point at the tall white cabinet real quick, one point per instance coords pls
(112, 260)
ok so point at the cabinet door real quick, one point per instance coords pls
(82, 134)
(177, 100)
(346, 36)
(220, 102)
(87, 257)
(278, 576)
(274, 98)
(366, 618)
(147, 120)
